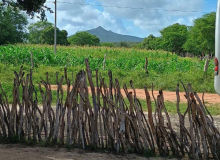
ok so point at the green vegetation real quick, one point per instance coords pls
(201, 37)
(214, 109)
(43, 33)
(151, 43)
(173, 38)
(198, 39)
(165, 69)
(121, 44)
(31, 7)
(47, 36)
(125, 59)
(12, 24)
(83, 38)
(35, 29)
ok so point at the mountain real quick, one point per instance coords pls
(109, 36)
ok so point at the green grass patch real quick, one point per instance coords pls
(165, 69)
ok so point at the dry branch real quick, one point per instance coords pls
(109, 121)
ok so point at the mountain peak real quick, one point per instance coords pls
(99, 27)
(109, 36)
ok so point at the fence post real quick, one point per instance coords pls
(145, 67)
(32, 62)
(206, 63)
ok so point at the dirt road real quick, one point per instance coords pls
(18, 151)
(168, 95)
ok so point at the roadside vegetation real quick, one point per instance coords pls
(166, 54)
(99, 121)
(165, 70)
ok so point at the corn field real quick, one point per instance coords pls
(105, 119)
(165, 69)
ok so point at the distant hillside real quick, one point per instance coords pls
(109, 36)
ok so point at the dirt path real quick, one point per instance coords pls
(168, 95)
(18, 151)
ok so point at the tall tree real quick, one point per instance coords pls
(12, 26)
(201, 36)
(47, 36)
(83, 38)
(173, 37)
(147, 42)
(35, 29)
(151, 42)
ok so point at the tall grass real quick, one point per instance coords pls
(165, 69)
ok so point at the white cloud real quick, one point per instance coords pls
(153, 17)
(74, 17)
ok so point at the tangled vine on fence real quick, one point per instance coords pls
(106, 120)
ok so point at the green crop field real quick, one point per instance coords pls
(165, 69)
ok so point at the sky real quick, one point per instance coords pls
(129, 17)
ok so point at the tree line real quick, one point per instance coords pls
(197, 40)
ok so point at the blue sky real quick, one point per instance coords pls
(132, 17)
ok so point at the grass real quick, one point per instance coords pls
(165, 69)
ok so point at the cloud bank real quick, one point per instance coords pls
(150, 17)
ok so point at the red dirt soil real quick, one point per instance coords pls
(168, 95)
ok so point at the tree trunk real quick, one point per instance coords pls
(202, 57)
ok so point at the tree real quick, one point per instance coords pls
(47, 36)
(83, 38)
(12, 26)
(156, 43)
(201, 36)
(123, 44)
(147, 42)
(29, 6)
(173, 37)
(62, 37)
(35, 29)
(151, 42)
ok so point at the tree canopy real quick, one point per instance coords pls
(147, 42)
(151, 42)
(197, 39)
(35, 29)
(29, 6)
(83, 38)
(201, 36)
(42, 32)
(177, 38)
(47, 36)
(173, 37)
(12, 26)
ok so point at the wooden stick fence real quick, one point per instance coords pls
(107, 121)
